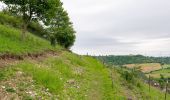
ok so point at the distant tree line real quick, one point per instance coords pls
(133, 59)
(55, 22)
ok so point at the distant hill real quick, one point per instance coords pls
(133, 59)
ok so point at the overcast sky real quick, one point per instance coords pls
(121, 26)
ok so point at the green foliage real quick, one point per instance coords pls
(66, 37)
(133, 59)
(61, 29)
(34, 27)
(37, 29)
(127, 76)
(31, 10)
(136, 84)
(162, 81)
(5, 19)
(50, 12)
(9, 89)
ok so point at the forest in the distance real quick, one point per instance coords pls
(133, 59)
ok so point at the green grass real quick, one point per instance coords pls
(166, 66)
(164, 72)
(11, 43)
(6, 19)
(144, 93)
(91, 80)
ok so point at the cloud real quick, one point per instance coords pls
(121, 26)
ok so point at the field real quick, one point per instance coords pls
(146, 67)
(155, 69)
(165, 72)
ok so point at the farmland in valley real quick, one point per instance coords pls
(146, 67)
(154, 69)
(165, 72)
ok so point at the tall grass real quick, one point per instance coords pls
(10, 42)
(43, 76)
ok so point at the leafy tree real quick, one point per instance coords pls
(66, 37)
(31, 10)
(61, 29)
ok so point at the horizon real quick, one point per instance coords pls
(129, 55)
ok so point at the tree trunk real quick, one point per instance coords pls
(53, 42)
(24, 30)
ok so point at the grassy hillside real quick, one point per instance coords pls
(69, 76)
(11, 43)
(62, 75)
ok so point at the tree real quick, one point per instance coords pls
(61, 29)
(31, 10)
(66, 38)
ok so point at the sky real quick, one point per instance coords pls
(120, 27)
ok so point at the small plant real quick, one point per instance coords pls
(162, 81)
(9, 89)
(26, 97)
(1, 76)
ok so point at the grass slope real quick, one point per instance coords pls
(66, 77)
(10, 42)
(69, 76)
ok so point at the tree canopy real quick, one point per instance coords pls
(51, 12)
(60, 29)
(31, 10)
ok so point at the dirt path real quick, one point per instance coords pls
(8, 59)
